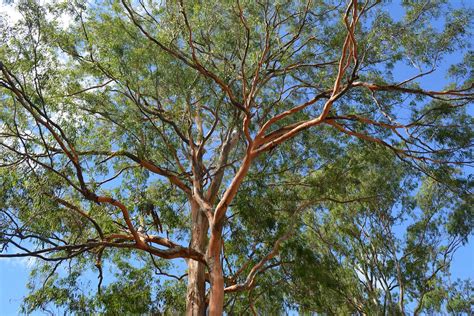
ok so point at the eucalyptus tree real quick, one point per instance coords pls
(272, 145)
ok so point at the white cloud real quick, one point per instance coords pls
(9, 12)
(21, 262)
(378, 282)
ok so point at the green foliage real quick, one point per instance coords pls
(369, 214)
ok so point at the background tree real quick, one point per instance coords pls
(269, 144)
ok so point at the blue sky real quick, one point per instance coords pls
(14, 271)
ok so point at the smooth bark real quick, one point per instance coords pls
(216, 298)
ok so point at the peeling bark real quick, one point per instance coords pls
(196, 292)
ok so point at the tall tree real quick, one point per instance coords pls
(270, 144)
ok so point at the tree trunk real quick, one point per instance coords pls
(196, 292)
(216, 299)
